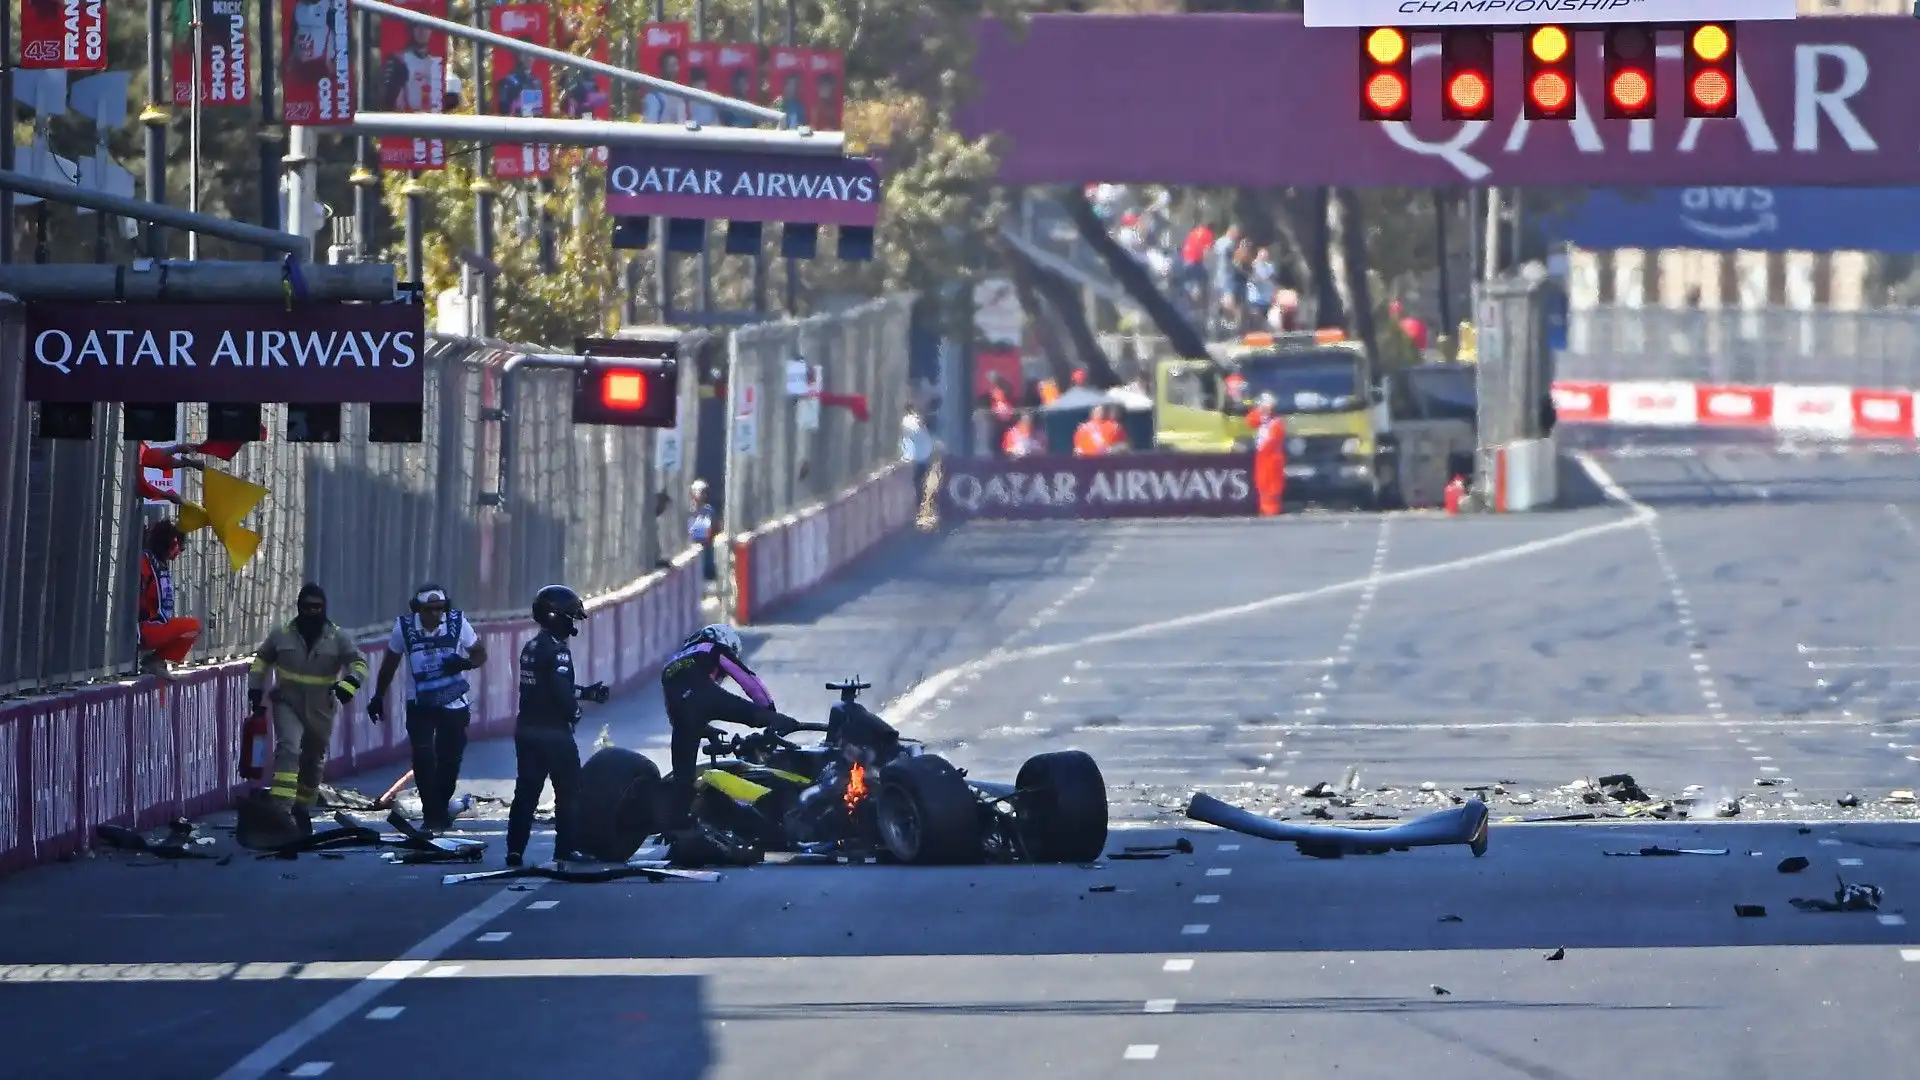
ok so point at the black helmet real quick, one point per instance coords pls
(557, 608)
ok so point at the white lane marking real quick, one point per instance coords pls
(543, 905)
(1911, 956)
(1312, 700)
(386, 1012)
(1892, 920)
(275, 1051)
(1142, 1052)
(1218, 871)
(445, 971)
(1829, 842)
(1177, 965)
(1682, 609)
(1210, 899)
(1856, 648)
(1832, 666)
(1161, 1005)
(1761, 757)
(1228, 847)
(920, 695)
(1194, 928)
(1188, 667)
(1848, 862)
(1620, 723)
(496, 936)
(312, 1068)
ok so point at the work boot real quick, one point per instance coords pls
(514, 861)
(303, 819)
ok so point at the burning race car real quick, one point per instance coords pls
(863, 790)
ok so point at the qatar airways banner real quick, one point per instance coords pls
(319, 353)
(813, 190)
(1823, 102)
(1119, 486)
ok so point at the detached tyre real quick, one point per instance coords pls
(927, 813)
(618, 792)
(1060, 807)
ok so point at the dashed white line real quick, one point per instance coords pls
(1848, 862)
(1218, 871)
(1195, 928)
(1911, 956)
(445, 971)
(1892, 920)
(386, 1012)
(1829, 842)
(1210, 899)
(543, 905)
(312, 1068)
(1314, 697)
(1177, 965)
(1142, 1052)
(495, 936)
(1231, 847)
(1161, 1005)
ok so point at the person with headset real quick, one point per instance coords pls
(543, 742)
(440, 646)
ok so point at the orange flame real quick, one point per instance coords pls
(856, 787)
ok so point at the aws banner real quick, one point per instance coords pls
(1744, 219)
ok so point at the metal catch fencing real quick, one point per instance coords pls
(1763, 347)
(367, 522)
(792, 443)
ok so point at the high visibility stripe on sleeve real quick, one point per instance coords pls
(285, 675)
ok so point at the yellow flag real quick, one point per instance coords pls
(228, 500)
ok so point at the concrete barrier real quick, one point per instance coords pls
(1524, 475)
(792, 556)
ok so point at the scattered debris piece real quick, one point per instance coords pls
(179, 843)
(1583, 815)
(1857, 897)
(1351, 781)
(1440, 991)
(1101, 888)
(1727, 808)
(1321, 790)
(1901, 795)
(1320, 812)
(1750, 911)
(1182, 846)
(1428, 785)
(1451, 918)
(1664, 852)
(1621, 787)
(1522, 799)
(1849, 801)
(590, 874)
(1557, 954)
(1793, 864)
(1770, 781)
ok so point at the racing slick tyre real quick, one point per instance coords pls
(618, 794)
(927, 813)
(1060, 807)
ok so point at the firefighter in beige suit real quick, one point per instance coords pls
(316, 669)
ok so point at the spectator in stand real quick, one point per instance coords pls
(1193, 255)
(1224, 275)
(1284, 312)
(1022, 440)
(1262, 283)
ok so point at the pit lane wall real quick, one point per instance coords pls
(134, 752)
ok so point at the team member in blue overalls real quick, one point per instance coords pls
(440, 647)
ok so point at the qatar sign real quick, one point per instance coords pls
(1488, 13)
(1121, 486)
(228, 353)
(1823, 102)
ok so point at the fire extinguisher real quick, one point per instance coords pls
(1456, 491)
(256, 745)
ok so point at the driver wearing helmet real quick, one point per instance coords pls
(690, 680)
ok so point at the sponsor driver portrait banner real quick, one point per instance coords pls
(517, 86)
(1358, 13)
(738, 77)
(663, 53)
(226, 55)
(716, 186)
(786, 86)
(1117, 486)
(826, 88)
(63, 35)
(316, 81)
(582, 95)
(413, 79)
(316, 353)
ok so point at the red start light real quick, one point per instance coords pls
(624, 390)
(1468, 91)
(1386, 92)
(1550, 91)
(1630, 89)
(1710, 89)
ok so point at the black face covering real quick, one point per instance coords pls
(312, 616)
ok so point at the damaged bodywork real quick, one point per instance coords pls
(1463, 824)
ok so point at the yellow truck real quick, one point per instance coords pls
(1353, 436)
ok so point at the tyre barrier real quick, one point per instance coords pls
(139, 755)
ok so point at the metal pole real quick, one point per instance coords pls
(1442, 205)
(193, 129)
(706, 256)
(416, 192)
(663, 260)
(482, 188)
(154, 116)
(365, 181)
(793, 265)
(478, 34)
(269, 121)
(300, 185)
(760, 253)
(1491, 246)
(6, 144)
(142, 210)
(1515, 220)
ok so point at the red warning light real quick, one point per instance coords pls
(1550, 92)
(1710, 70)
(1468, 92)
(1630, 90)
(1385, 92)
(624, 390)
(1711, 91)
(1386, 75)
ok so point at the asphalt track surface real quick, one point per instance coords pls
(1739, 613)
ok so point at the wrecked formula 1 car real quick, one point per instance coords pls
(863, 790)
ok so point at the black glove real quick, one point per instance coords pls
(454, 665)
(342, 693)
(782, 725)
(256, 700)
(377, 708)
(598, 693)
